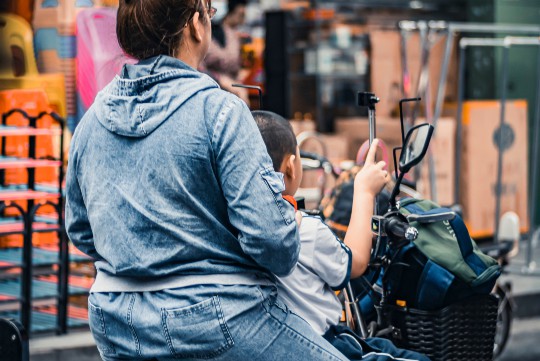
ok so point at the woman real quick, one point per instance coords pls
(171, 191)
(223, 60)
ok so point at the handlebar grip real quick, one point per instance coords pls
(396, 228)
(399, 229)
(324, 162)
(314, 156)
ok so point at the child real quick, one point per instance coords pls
(326, 264)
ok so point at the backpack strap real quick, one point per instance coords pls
(434, 284)
(466, 246)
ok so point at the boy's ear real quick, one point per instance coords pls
(291, 166)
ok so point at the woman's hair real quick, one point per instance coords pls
(147, 28)
(277, 134)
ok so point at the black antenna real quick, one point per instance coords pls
(257, 88)
(401, 114)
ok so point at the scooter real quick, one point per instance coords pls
(442, 334)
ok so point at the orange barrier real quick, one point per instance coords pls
(32, 102)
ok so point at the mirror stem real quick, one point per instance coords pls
(395, 191)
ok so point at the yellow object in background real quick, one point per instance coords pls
(18, 68)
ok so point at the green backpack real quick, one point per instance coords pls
(443, 265)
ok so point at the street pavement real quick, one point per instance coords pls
(524, 342)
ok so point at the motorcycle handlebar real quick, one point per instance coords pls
(399, 229)
(314, 156)
(323, 162)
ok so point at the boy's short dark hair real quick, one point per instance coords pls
(277, 134)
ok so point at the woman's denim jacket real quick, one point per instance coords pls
(169, 184)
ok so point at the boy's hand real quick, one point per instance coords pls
(372, 178)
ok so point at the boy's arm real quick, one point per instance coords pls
(359, 236)
(367, 184)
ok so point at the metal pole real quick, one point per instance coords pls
(319, 112)
(405, 76)
(372, 136)
(406, 82)
(466, 42)
(432, 171)
(534, 177)
(423, 74)
(492, 28)
(441, 90)
(360, 324)
(500, 150)
(459, 121)
(372, 125)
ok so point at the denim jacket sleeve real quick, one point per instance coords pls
(77, 223)
(265, 221)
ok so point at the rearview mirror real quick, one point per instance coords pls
(415, 146)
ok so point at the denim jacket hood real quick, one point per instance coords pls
(168, 176)
(134, 92)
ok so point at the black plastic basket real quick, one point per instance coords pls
(463, 331)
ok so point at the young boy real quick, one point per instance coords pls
(326, 264)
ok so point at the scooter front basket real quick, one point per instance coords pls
(463, 331)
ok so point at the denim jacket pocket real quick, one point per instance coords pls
(276, 186)
(197, 331)
(99, 330)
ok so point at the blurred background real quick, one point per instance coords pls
(474, 63)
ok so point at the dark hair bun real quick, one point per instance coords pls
(147, 28)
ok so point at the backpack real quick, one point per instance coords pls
(442, 266)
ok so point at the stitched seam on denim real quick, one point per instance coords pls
(109, 116)
(220, 120)
(108, 347)
(82, 147)
(296, 314)
(140, 111)
(284, 309)
(129, 86)
(175, 312)
(222, 323)
(279, 206)
(264, 300)
(210, 145)
(130, 323)
(313, 344)
(156, 62)
(166, 330)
